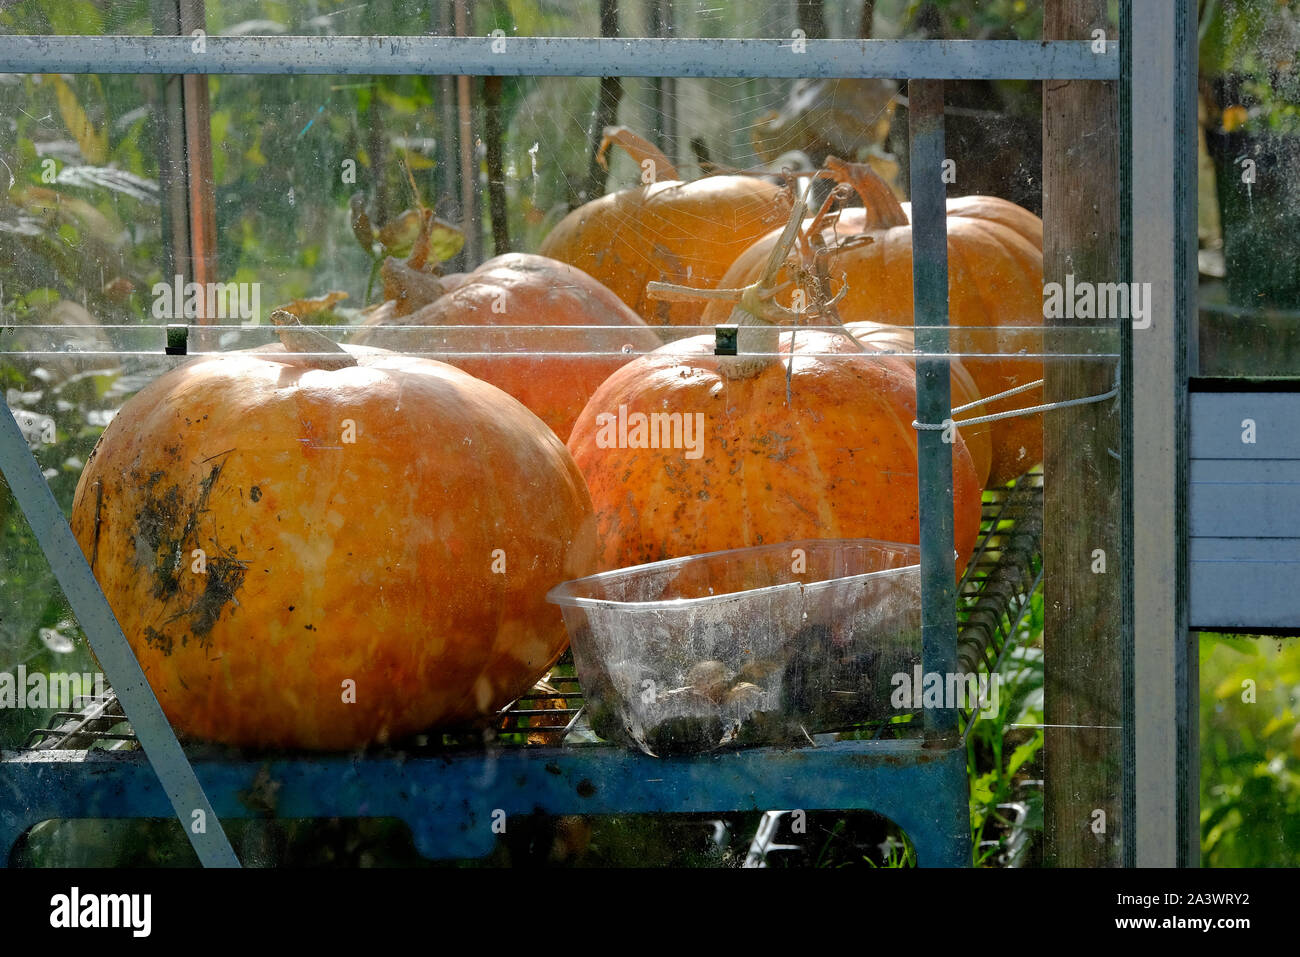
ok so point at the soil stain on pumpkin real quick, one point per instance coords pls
(158, 639)
(157, 536)
(165, 528)
(224, 579)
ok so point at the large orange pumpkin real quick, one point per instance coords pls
(995, 280)
(407, 289)
(520, 289)
(669, 231)
(838, 460)
(323, 553)
(880, 337)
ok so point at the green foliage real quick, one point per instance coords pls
(80, 245)
(37, 628)
(1255, 43)
(983, 19)
(1250, 751)
(1001, 757)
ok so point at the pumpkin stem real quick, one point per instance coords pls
(756, 313)
(883, 208)
(816, 254)
(758, 337)
(639, 148)
(410, 288)
(419, 255)
(305, 341)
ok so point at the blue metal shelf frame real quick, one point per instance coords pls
(449, 800)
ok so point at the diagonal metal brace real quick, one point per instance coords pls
(96, 618)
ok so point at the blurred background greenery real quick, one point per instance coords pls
(1250, 751)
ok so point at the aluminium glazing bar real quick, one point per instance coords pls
(933, 391)
(563, 56)
(1163, 218)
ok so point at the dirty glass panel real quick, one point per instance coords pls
(333, 532)
(80, 244)
(1249, 192)
(1249, 313)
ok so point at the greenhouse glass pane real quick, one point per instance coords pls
(455, 418)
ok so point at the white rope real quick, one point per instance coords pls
(1032, 410)
(1001, 395)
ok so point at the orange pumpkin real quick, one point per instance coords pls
(522, 289)
(407, 289)
(453, 281)
(669, 231)
(838, 461)
(879, 337)
(995, 279)
(324, 553)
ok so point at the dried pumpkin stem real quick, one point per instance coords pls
(309, 344)
(640, 149)
(419, 255)
(672, 292)
(883, 210)
(820, 221)
(776, 259)
(410, 288)
(758, 339)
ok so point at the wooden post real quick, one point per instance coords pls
(469, 190)
(447, 171)
(865, 19)
(186, 160)
(198, 157)
(1083, 649)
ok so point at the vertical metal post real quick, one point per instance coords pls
(933, 399)
(1162, 55)
(664, 88)
(123, 671)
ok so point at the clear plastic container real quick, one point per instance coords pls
(758, 645)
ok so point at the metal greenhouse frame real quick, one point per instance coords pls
(449, 800)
